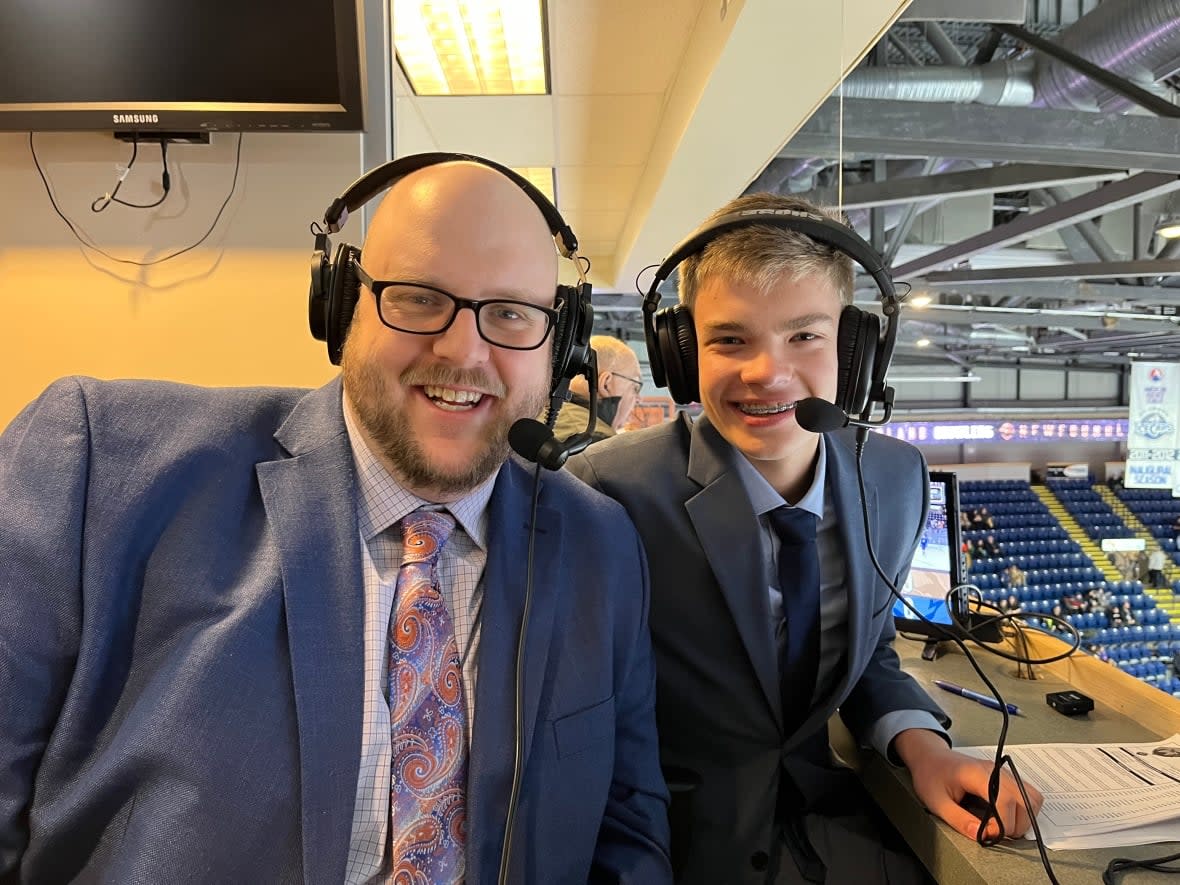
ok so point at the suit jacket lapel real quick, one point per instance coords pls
(310, 501)
(860, 578)
(731, 538)
(494, 729)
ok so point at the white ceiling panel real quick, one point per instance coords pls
(606, 130)
(516, 130)
(597, 187)
(619, 47)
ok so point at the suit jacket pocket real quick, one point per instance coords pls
(578, 731)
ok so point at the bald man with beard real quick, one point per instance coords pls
(200, 679)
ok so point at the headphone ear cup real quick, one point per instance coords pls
(317, 294)
(676, 339)
(561, 339)
(857, 343)
(571, 334)
(343, 293)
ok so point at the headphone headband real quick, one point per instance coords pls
(382, 177)
(816, 227)
(335, 287)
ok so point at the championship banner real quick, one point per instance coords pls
(1151, 432)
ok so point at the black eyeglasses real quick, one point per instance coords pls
(638, 384)
(425, 310)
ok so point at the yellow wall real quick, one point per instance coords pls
(232, 312)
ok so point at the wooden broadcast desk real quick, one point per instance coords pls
(1125, 709)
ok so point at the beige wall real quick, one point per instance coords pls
(231, 312)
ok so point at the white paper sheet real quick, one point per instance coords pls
(1101, 795)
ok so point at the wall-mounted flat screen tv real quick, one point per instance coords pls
(181, 65)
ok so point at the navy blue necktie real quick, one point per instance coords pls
(797, 635)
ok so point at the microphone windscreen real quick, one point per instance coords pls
(819, 415)
(527, 436)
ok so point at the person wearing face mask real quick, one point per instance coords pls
(618, 391)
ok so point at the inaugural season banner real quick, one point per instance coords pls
(1151, 432)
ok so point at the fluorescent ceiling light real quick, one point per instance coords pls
(922, 342)
(939, 379)
(1046, 312)
(994, 333)
(1168, 228)
(471, 47)
(541, 177)
(919, 301)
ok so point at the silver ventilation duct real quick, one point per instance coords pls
(998, 83)
(1136, 39)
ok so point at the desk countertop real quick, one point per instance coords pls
(958, 861)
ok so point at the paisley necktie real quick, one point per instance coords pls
(428, 799)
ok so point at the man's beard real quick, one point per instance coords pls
(389, 428)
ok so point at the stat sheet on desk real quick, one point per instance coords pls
(1101, 795)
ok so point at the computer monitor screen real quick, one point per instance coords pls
(937, 564)
(181, 66)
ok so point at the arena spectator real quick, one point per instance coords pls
(1097, 599)
(1011, 605)
(1156, 562)
(989, 547)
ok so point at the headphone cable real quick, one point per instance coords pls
(1000, 759)
(1120, 865)
(518, 752)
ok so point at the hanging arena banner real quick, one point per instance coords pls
(1151, 430)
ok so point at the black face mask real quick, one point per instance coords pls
(608, 407)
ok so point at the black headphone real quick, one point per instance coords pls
(335, 288)
(864, 352)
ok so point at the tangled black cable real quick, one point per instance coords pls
(101, 203)
(1017, 619)
(1123, 864)
(88, 245)
(1118, 865)
(1001, 759)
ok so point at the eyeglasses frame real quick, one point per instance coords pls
(636, 381)
(552, 314)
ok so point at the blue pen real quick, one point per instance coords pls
(975, 696)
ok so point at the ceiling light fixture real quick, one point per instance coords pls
(938, 379)
(994, 333)
(1168, 228)
(1046, 312)
(467, 48)
(919, 301)
(922, 342)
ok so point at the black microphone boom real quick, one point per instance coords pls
(819, 415)
(535, 442)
